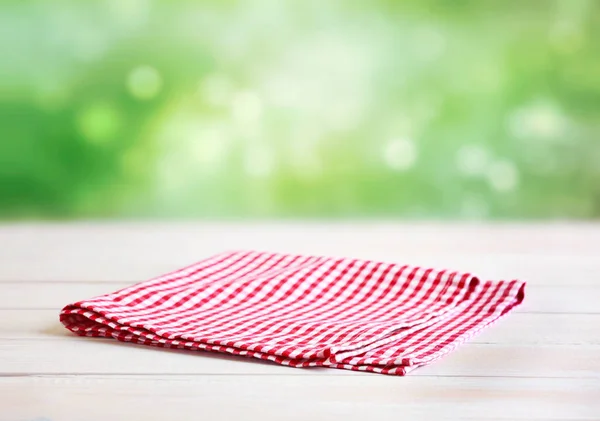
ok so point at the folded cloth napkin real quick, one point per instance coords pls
(302, 311)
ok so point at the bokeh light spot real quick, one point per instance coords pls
(131, 13)
(99, 122)
(400, 154)
(541, 120)
(209, 147)
(503, 176)
(472, 159)
(246, 107)
(144, 82)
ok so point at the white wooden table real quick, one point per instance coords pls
(540, 362)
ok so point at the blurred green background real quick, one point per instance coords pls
(462, 109)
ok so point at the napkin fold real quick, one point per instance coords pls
(302, 311)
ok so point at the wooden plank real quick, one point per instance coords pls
(297, 398)
(550, 254)
(43, 295)
(136, 266)
(98, 356)
(75, 355)
(543, 329)
(518, 328)
(573, 299)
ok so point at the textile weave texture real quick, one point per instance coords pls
(302, 310)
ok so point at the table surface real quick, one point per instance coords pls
(540, 362)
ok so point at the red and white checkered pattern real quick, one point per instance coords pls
(302, 311)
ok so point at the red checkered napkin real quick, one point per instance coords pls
(302, 311)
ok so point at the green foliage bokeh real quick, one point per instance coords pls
(435, 109)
